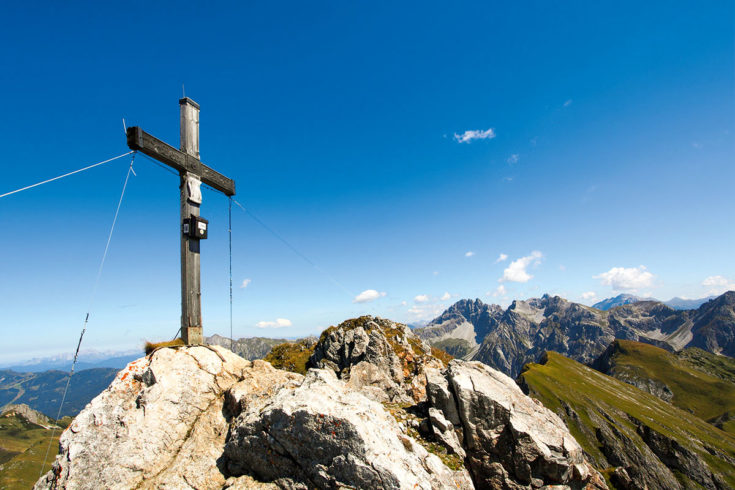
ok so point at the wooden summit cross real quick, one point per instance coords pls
(193, 228)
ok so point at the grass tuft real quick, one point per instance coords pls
(151, 346)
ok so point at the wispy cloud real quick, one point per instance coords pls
(367, 296)
(245, 283)
(567, 102)
(589, 295)
(421, 298)
(426, 311)
(517, 270)
(717, 285)
(445, 296)
(278, 323)
(501, 258)
(513, 159)
(469, 254)
(500, 291)
(474, 134)
(626, 279)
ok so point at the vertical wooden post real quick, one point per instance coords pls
(191, 301)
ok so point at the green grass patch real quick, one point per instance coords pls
(696, 391)
(291, 356)
(22, 450)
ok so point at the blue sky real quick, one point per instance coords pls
(404, 149)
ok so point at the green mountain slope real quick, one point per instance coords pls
(623, 428)
(23, 446)
(43, 391)
(676, 378)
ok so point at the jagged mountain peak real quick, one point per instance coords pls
(508, 339)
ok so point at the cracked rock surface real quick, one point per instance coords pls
(160, 424)
(511, 440)
(324, 435)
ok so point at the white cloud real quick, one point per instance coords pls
(367, 296)
(501, 258)
(421, 298)
(562, 267)
(469, 254)
(507, 179)
(499, 291)
(513, 158)
(716, 285)
(245, 283)
(436, 273)
(589, 295)
(279, 323)
(474, 134)
(426, 311)
(516, 271)
(403, 303)
(626, 279)
(445, 296)
(567, 102)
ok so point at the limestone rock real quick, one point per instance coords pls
(511, 440)
(324, 435)
(444, 431)
(381, 358)
(160, 424)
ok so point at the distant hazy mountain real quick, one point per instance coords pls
(619, 300)
(508, 339)
(86, 360)
(250, 348)
(43, 391)
(687, 304)
(675, 303)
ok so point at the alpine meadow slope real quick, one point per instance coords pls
(636, 439)
(704, 392)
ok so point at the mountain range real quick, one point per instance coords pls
(675, 303)
(43, 391)
(89, 359)
(508, 339)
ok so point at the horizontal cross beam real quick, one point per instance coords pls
(153, 147)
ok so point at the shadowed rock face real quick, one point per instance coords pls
(324, 435)
(522, 333)
(383, 359)
(511, 440)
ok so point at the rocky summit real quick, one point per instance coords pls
(375, 409)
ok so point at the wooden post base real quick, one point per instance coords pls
(192, 335)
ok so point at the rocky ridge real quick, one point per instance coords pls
(27, 413)
(202, 417)
(526, 329)
(250, 348)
